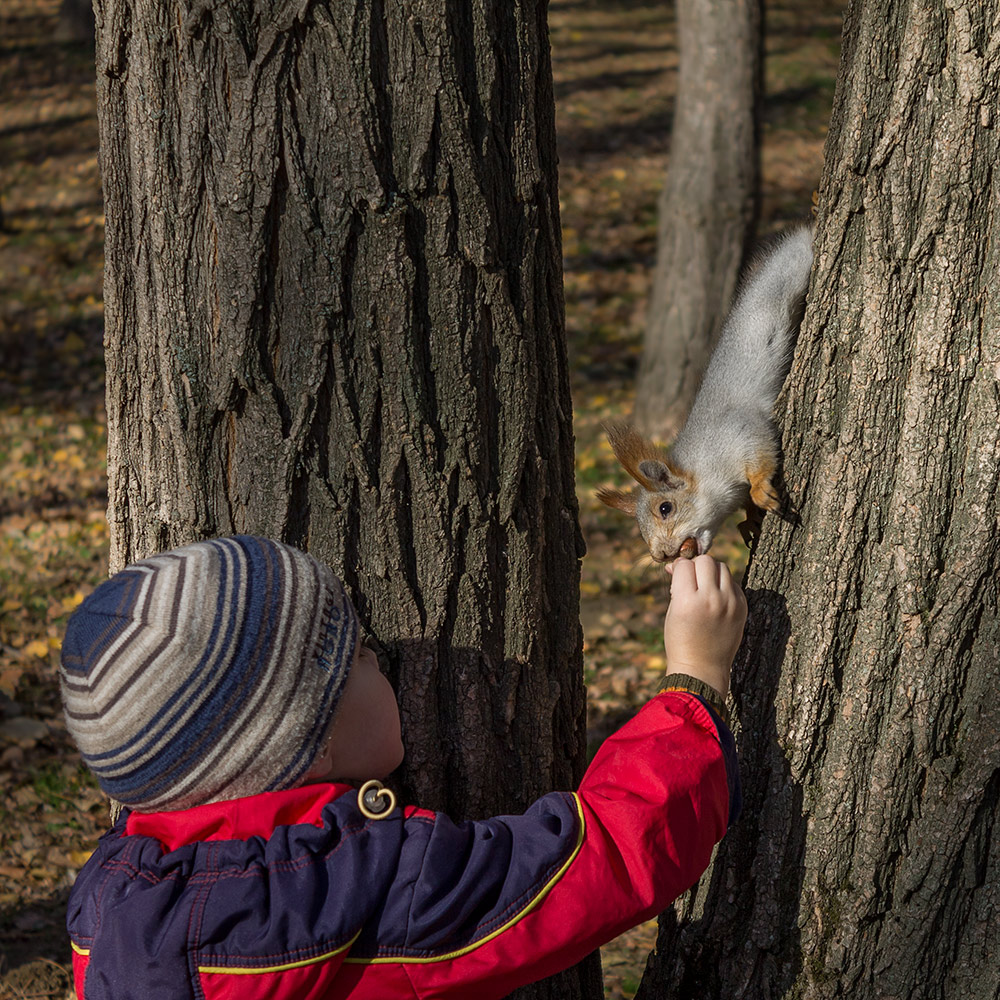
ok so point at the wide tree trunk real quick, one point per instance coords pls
(708, 206)
(334, 316)
(865, 865)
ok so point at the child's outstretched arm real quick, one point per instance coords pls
(640, 830)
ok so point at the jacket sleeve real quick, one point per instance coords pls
(481, 908)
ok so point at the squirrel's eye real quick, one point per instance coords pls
(666, 509)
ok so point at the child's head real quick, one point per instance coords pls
(214, 671)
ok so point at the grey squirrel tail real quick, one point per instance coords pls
(755, 347)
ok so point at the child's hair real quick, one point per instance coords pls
(207, 673)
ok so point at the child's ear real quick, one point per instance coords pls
(616, 498)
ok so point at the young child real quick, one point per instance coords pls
(221, 694)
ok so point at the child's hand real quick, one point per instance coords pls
(704, 622)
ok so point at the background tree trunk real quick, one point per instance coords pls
(76, 21)
(865, 865)
(334, 316)
(709, 204)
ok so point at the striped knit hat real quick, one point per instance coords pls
(207, 673)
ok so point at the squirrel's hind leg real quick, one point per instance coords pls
(763, 493)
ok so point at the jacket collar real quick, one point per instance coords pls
(236, 819)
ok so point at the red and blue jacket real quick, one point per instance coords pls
(296, 894)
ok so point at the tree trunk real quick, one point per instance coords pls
(76, 21)
(865, 864)
(334, 316)
(708, 207)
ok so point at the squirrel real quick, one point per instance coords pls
(726, 454)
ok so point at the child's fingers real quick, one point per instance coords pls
(731, 591)
(707, 572)
(726, 582)
(683, 573)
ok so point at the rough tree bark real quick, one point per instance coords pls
(708, 206)
(334, 316)
(866, 865)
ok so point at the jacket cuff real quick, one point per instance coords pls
(695, 686)
(728, 744)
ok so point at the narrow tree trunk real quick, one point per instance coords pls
(334, 316)
(75, 22)
(708, 207)
(865, 865)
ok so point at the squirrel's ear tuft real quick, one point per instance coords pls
(660, 474)
(617, 499)
(637, 453)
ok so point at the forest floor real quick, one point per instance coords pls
(615, 67)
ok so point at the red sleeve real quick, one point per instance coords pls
(651, 807)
